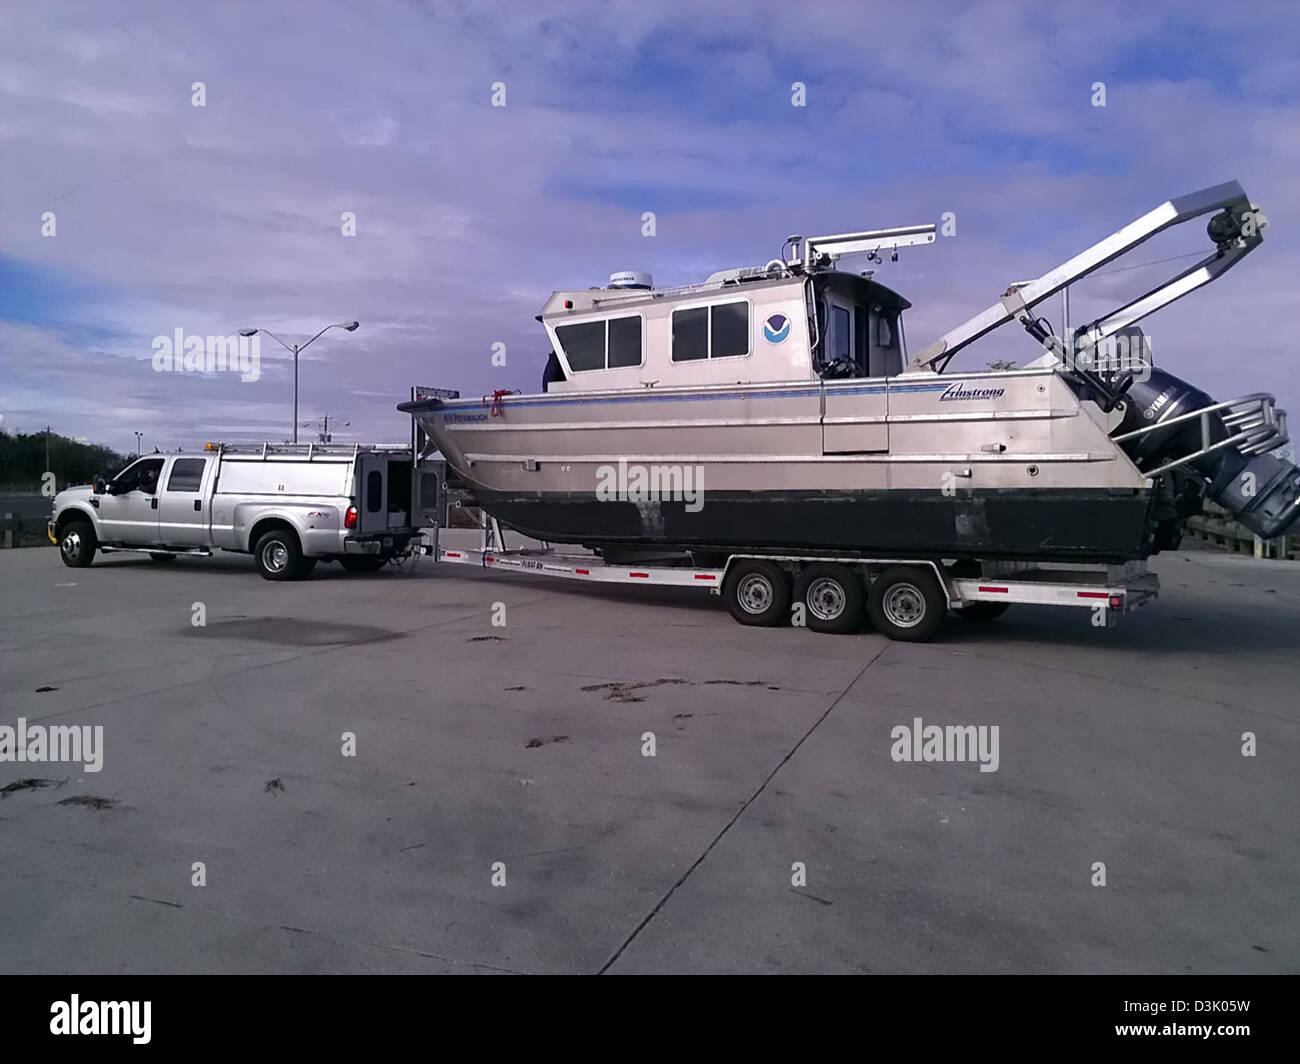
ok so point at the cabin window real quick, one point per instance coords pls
(584, 344)
(610, 344)
(841, 332)
(374, 491)
(624, 342)
(690, 334)
(187, 474)
(719, 331)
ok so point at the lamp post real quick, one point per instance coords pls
(350, 326)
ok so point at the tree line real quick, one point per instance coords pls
(24, 461)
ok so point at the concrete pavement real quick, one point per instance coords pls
(517, 752)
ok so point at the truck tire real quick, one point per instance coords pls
(833, 597)
(907, 604)
(757, 593)
(278, 556)
(305, 567)
(362, 563)
(77, 544)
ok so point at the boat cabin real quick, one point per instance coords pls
(738, 327)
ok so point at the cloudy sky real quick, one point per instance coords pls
(207, 219)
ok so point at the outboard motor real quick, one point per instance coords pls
(1259, 489)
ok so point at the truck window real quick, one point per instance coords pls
(142, 476)
(374, 491)
(187, 474)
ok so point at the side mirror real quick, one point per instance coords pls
(98, 486)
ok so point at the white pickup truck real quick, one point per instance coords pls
(288, 505)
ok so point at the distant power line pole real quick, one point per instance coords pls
(323, 426)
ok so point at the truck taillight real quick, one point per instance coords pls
(350, 518)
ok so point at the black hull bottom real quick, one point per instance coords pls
(1076, 525)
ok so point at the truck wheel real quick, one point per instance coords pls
(362, 563)
(278, 555)
(982, 611)
(757, 593)
(906, 604)
(305, 567)
(163, 558)
(833, 597)
(77, 544)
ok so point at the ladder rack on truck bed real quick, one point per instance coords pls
(907, 597)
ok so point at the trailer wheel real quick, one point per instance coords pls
(162, 558)
(77, 544)
(757, 593)
(833, 596)
(362, 563)
(982, 611)
(278, 555)
(906, 604)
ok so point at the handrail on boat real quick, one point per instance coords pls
(1255, 424)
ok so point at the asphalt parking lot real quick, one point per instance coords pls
(515, 753)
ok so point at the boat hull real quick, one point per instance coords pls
(1066, 525)
(1004, 464)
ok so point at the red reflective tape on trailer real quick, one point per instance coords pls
(642, 576)
(1002, 590)
(1094, 594)
(583, 572)
(488, 558)
(451, 554)
(705, 576)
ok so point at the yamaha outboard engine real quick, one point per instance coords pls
(1259, 489)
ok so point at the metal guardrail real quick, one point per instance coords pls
(1215, 528)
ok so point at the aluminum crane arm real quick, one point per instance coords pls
(1236, 231)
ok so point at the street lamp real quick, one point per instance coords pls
(350, 326)
(138, 437)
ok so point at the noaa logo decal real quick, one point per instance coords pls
(776, 328)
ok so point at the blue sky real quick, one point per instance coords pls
(208, 219)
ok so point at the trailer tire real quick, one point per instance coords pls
(982, 611)
(757, 593)
(163, 558)
(833, 598)
(77, 544)
(278, 556)
(907, 604)
(362, 563)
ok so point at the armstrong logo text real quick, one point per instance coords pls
(959, 392)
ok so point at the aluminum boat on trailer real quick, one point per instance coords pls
(776, 410)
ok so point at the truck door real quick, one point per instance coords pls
(372, 493)
(128, 511)
(185, 503)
